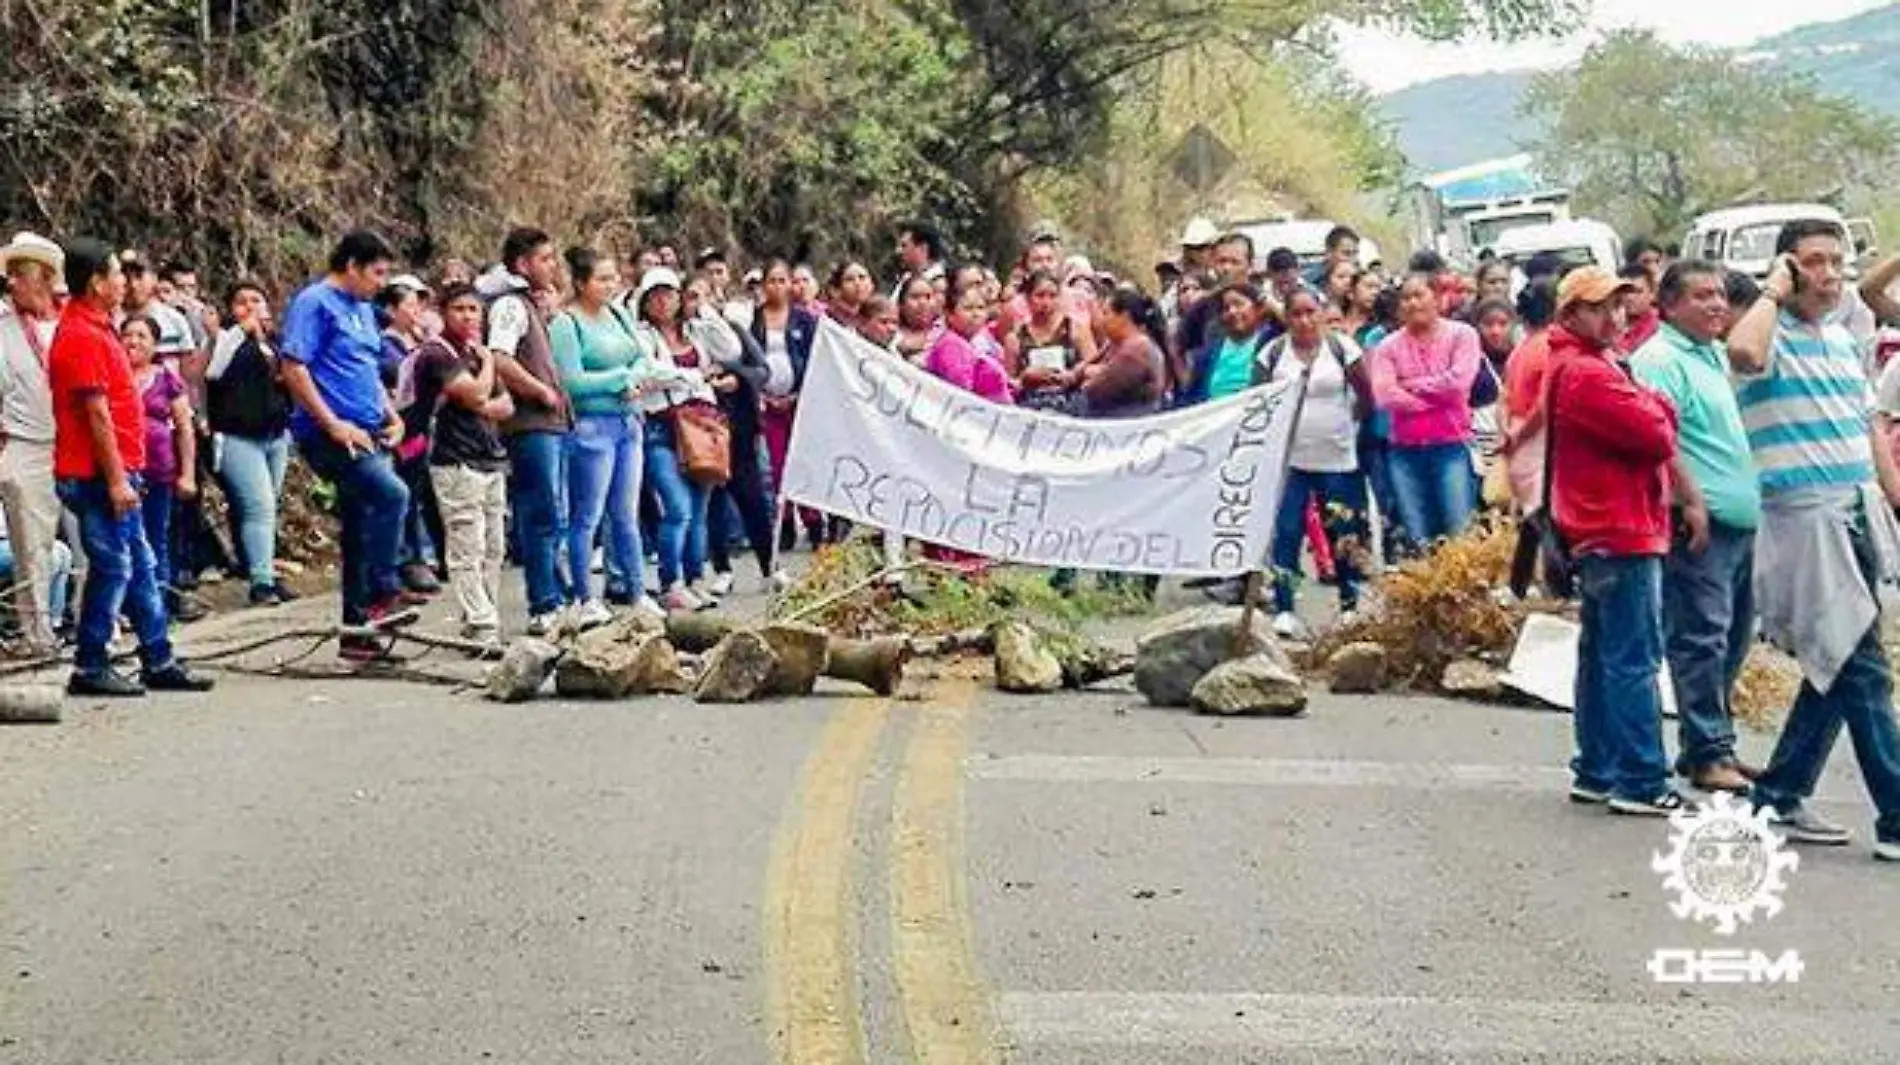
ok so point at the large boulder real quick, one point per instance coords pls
(1358, 668)
(523, 669)
(736, 670)
(1261, 684)
(616, 661)
(1180, 649)
(1024, 663)
(802, 651)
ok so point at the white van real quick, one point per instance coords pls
(1578, 242)
(1743, 238)
(1305, 237)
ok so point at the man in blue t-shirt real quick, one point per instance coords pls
(346, 427)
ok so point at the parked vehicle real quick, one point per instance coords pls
(1458, 212)
(1743, 238)
(1578, 242)
(1305, 237)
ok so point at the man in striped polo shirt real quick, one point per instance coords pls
(1807, 409)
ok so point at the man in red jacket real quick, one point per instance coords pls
(1612, 441)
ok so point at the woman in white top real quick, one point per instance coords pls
(686, 363)
(1324, 460)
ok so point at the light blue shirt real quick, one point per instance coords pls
(1714, 443)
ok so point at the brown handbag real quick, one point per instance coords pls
(703, 439)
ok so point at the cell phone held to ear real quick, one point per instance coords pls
(1794, 273)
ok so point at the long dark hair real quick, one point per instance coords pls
(1144, 312)
(580, 265)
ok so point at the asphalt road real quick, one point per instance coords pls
(376, 872)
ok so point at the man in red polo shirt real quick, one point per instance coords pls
(98, 454)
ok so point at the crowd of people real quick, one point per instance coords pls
(1690, 450)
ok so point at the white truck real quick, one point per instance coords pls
(1460, 212)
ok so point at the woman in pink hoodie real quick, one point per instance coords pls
(1422, 376)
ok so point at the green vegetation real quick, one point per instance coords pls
(1650, 135)
(246, 135)
(1448, 122)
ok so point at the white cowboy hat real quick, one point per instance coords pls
(32, 247)
(1200, 233)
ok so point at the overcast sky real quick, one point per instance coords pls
(1384, 61)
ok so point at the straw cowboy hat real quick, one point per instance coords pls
(31, 247)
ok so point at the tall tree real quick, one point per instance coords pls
(1650, 135)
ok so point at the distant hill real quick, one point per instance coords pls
(1453, 121)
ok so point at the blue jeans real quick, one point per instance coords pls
(1618, 719)
(120, 576)
(683, 508)
(537, 493)
(372, 500)
(603, 482)
(1431, 487)
(155, 513)
(1708, 621)
(1860, 698)
(253, 474)
(1342, 509)
(59, 569)
(1375, 463)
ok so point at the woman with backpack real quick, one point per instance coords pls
(1323, 459)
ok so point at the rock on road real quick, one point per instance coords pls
(361, 871)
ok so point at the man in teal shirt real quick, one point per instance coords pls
(1709, 577)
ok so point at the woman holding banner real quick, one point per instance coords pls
(1128, 380)
(1323, 459)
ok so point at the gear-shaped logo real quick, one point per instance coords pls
(1726, 862)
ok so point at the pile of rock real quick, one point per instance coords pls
(1204, 659)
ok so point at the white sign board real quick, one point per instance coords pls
(1544, 664)
(1186, 493)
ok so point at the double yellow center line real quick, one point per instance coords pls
(811, 977)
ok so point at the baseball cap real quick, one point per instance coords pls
(1590, 284)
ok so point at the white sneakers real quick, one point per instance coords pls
(720, 586)
(591, 614)
(1286, 625)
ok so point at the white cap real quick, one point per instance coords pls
(656, 277)
(31, 247)
(410, 282)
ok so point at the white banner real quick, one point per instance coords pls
(1187, 493)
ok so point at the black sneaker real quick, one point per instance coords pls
(361, 649)
(106, 683)
(283, 593)
(420, 579)
(1662, 805)
(188, 610)
(264, 595)
(176, 678)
